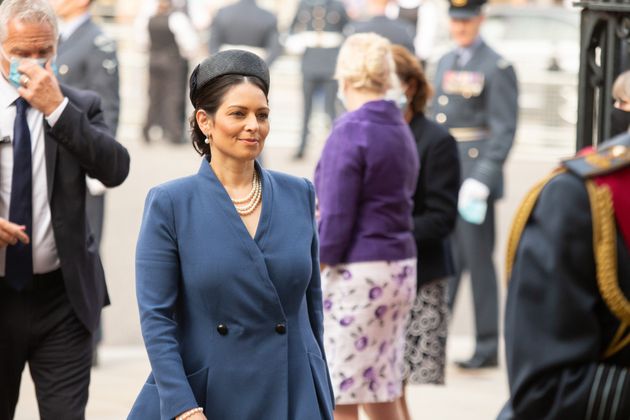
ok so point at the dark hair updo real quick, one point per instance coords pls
(209, 97)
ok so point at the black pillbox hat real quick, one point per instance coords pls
(225, 62)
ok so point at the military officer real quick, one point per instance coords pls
(317, 34)
(244, 25)
(86, 59)
(477, 100)
(567, 319)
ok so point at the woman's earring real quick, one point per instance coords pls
(207, 141)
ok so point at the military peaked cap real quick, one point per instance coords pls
(465, 9)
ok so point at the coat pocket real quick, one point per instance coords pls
(147, 405)
(199, 384)
(319, 371)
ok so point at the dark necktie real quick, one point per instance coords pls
(19, 259)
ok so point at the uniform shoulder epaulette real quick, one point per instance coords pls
(598, 162)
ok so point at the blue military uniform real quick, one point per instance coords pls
(87, 60)
(244, 25)
(318, 28)
(567, 313)
(476, 98)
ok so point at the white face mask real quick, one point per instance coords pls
(341, 96)
(397, 96)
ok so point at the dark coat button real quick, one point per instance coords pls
(222, 329)
(281, 328)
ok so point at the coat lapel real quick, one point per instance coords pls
(50, 148)
(218, 198)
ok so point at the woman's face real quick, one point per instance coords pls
(241, 124)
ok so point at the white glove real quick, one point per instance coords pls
(94, 186)
(472, 202)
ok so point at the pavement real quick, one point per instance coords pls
(123, 369)
(123, 363)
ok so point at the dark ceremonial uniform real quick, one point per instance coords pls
(168, 73)
(478, 102)
(567, 321)
(397, 31)
(318, 25)
(244, 25)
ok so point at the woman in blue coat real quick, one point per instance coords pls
(227, 270)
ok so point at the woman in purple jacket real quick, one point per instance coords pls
(365, 181)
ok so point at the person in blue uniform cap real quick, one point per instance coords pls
(477, 101)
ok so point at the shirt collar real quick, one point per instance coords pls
(68, 27)
(471, 48)
(464, 54)
(8, 93)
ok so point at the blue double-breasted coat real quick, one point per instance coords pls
(231, 323)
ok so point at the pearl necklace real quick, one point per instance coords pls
(246, 206)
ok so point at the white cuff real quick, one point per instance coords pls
(54, 116)
(94, 186)
(474, 189)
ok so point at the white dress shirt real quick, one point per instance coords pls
(45, 257)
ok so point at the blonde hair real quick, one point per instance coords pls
(621, 87)
(365, 62)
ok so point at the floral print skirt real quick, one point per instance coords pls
(366, 308)
(425, 348)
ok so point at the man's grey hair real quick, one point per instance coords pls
(31, 11)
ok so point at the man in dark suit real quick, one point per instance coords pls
(244, 25)
(476, 98)
(52, 286)
(397, 31)
(316, 33)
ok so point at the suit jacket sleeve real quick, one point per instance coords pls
(440, 175)
(502, 111)
(314, 291)
(553, 338)
(157, 278)
(81, 129)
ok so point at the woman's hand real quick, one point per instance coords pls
(193, 414)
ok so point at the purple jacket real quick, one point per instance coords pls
(365, 181)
